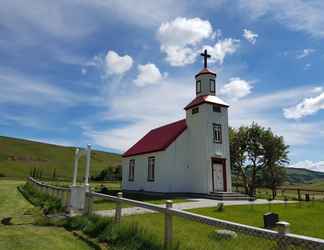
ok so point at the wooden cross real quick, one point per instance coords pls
(205, 55)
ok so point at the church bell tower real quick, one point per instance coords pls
(205, 79)
(208, 139)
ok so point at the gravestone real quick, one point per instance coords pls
(270, 220)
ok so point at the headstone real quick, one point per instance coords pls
(307, 197)
(270, 220)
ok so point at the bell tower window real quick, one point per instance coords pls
(217, 133)
(212, 85)
(198, 87)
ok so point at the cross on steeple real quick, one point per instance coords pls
(205, 55)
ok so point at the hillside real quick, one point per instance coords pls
(18, 157)
(303, 176)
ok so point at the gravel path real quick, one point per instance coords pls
(196, 203)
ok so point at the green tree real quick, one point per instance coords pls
(275, 158)
(257, 158)
(238, 155)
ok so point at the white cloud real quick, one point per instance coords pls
(307, 107)
(310, 165)
(22, 90)
(264, 109)
(116, 64)
(250, 36)
(221, 49)
(139, 111)
(182, 31)
(307, 66)
(236, 88)
(179, 39)
(148, 74)
(298, 15)
(305, 53)
(180, 56)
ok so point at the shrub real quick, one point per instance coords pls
(2, 175)
(47, 203)
(118, 236)
(76, 223)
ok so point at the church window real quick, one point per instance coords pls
(151, 169)
(198, 87)
(131, 170)
(216, 108)
(217, 133)
(195, 110)
(212, 85)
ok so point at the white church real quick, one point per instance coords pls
(188, 156)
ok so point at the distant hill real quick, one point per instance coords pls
(303, 176)
(18, 157)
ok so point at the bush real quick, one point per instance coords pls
(118, 236)
(2, 175)
(47, 203)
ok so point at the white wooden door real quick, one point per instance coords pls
(218, 177)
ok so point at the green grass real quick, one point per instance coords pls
(23, 234)
(196, 236)
(304, 219)
(18, 157)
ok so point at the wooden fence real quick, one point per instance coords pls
(284, 239)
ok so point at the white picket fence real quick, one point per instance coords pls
(284, 239)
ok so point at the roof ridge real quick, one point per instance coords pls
(168, 124)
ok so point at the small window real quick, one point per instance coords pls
(195, 110)
(217, 108)
(151, 169)
(217, 133)
(198, 86)
(212, 85)
(131, 170)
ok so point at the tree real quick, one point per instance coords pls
(238, 155)
(275, 158)
(255, 155)
(257, 158)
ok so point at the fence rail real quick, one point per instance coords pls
(282, 238)
(61, 193)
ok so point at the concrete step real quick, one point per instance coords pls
(228, 196)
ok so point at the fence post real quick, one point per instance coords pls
(118, 211)
(282, 228)
(299, 196)
(168, 226)
(88, 204)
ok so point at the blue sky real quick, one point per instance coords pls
(105, 72)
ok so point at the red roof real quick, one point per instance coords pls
(206, 99)
(205, 71)
(157, 139)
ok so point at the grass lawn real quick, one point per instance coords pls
(24, 235)
(305, 218)
(196, 236)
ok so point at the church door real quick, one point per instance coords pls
(218, 175)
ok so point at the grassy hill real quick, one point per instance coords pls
(304, 176)
(18, 157)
